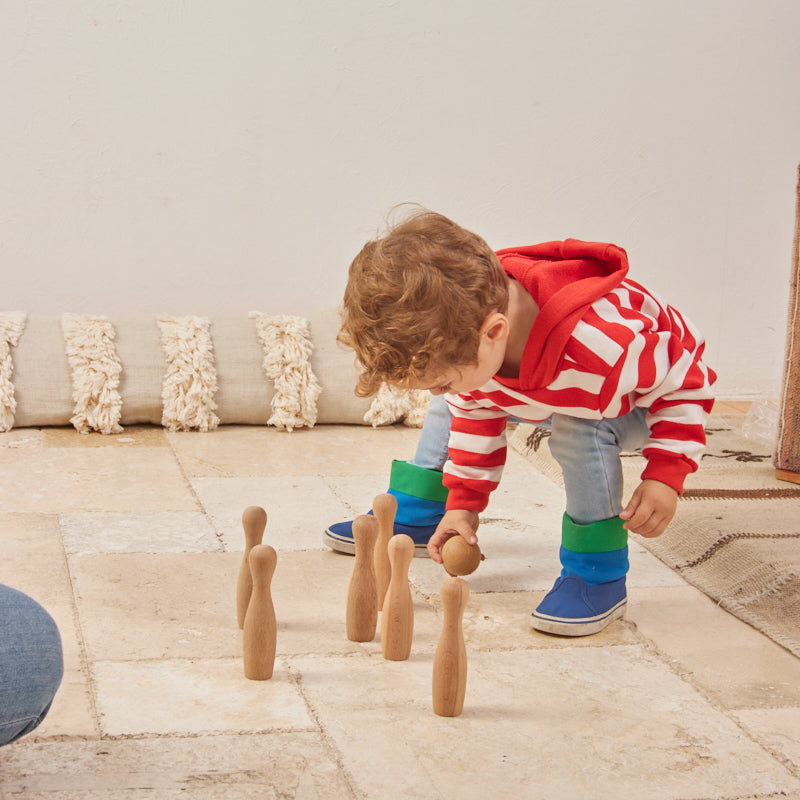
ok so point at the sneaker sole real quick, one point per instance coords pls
(348, 547)
(579, 627)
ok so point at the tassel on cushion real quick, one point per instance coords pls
(12, 323)
(96, 369)
(286, 343)
(391, 404)
(190, 381)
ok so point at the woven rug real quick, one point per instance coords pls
(736, 535)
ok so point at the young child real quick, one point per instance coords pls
(555, 334)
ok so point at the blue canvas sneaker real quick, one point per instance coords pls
(421, 498)
(574, 608)
(339, 536)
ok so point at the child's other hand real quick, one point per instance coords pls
(650, 509)
(455, 522)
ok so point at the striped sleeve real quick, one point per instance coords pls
(660, 369)
(477, 453)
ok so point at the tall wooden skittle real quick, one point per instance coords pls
(362, 592)
(450, 660)
(260, 627)
(384, 507)
(397, 616)
(254, 521)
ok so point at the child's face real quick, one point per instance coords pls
(469, 377)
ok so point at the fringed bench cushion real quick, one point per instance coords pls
(40, 376)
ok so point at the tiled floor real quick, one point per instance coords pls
(133, 543)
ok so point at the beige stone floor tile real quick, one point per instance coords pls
(778, 729)
(147, 532)
(733, 663)
(309, 591)
(299, 508)
(21, 438)
(33, 558)
(289, 766)
(519, 557)
(183, 606)
(241, 451)
(147, 606)
(561, 724)
(355, 494)
(67, 479)
(501, 621)
(175, 696)
(131, 436)
(647, 570)
(72, 713)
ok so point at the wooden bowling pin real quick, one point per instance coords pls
(384, 507)
(362, 592)
(450, 660)
(397, 617)
(260, 627)
(254, 521)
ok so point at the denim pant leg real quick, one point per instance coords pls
(588, 452)
(432, 446)
(31, 664)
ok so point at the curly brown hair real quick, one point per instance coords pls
(416, 298)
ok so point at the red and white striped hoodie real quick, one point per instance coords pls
(600, 346)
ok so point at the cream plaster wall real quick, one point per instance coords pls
(208, 157)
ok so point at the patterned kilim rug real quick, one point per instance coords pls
(736, 535)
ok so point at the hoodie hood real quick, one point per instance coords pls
(564, 278)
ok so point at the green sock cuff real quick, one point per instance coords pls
(596, 537)
(417, 481)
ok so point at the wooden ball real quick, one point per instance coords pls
(460, 557)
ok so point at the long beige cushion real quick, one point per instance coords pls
(42, 377)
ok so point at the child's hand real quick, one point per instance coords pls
(455, 522)
(650, 509)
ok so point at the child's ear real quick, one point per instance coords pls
(495, 326)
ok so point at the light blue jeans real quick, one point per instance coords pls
(31, 664)
(587, 450)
